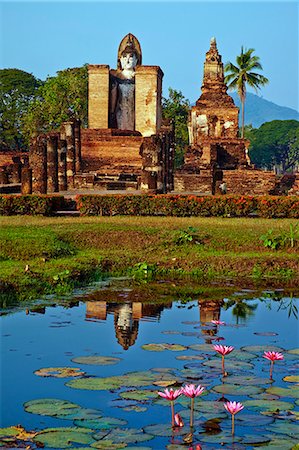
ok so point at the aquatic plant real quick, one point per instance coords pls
(233, 408)
(171, 395)
(223, 350)
(272, 356)
(191, 391)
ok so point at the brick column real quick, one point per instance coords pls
(77, 134)
(148, 94)
(62, 179)
(38, 163)
(67, 133)
(52, 163)
(3, 175)
(98, 96)
(26, 178)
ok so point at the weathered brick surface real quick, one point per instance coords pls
(52, 163)
(255, 182)
(98, 96)
(107, 153)
(38, 163)
(26, 177)
(187, 182)
(148, 94)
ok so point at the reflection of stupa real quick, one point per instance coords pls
(126, 329)
(209, 310)
(126, 317)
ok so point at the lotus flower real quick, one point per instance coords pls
(178, 420)
(233, 408)
(272, 356)
(223, 350)
(191, 391)
(217, 322)
(171, 395)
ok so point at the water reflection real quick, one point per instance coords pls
(126, 317)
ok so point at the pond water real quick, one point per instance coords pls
(103, 338)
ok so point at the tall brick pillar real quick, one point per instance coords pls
(67, 133)
(148, 94)
(52, 163)
(77, 134)
(38, 163)
(26, 178)
(62, 179)
(98, 96)
(3, 175)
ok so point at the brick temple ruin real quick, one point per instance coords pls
(216, 155)
(127, 146)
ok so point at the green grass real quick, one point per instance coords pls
(64, 252)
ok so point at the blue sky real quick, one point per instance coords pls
(43, 37)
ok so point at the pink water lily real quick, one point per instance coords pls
(217, 322)
(191, 391)
(171, 395)
(178, 420)
(233, 408)
(223, 350)
(272, 356)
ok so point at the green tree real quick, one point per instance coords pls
(240, 75)
(275, 143)
(176, 108)
(17, 91)
(59, 99)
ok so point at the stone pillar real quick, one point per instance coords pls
(152, 174)
(15, 170)
(77, 134)
(3, 175)
(67, 133)
(148, 94)
(38, 163)
(52, 163)
(26, 178)
(62, 179)
(98, 96)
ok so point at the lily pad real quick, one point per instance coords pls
(165, 383)
(133, 379)
(268, 405)
(50, 407)
(247, 380)
(202, 348)
(292, 379)
(165, 430)
(9, 431)
(127, 436)
(189, 357)
(294, 351)
(292, 392)
(162, 347)
(59, 372)
(266, 333)
(170, 332)
(283, 427)
(225, 437)
(277, 443)
(229, 364)
(101, 423)
(260, 349)
(96, 360)
(236, 389)
(139, 395)
(108, 444)
(135, 408)
(240, 355)
(63, 437)
(252, 420)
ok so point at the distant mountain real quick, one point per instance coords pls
(259, 110)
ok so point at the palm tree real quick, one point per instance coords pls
(239, 75)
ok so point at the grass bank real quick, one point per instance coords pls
(42, 255)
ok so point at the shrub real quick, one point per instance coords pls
(33, 205)
(188, 205)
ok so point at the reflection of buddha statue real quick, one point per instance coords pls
(122, 85)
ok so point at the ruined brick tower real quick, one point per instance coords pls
(213, 133)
